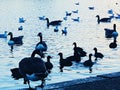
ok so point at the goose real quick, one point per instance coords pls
(21, 20)
(79, 50)
(64, 62)
(113, 44)
(89, 63)
(4, 35)
(97, 54)
(42, 46)
(109, 33)
(15, 40)
(31, 69)
(64, 31)
(102, 19)
(48, 64)
(76, 19)
(53, 23)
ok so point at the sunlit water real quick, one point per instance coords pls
(87, 33)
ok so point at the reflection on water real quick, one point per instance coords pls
(87, 33)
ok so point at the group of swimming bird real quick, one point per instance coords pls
(35, 68)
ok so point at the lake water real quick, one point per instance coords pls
(86, 33)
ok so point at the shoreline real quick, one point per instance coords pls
(108, 81)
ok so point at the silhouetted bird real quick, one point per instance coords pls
(97, 54)
(53, 23)
(89, 63)
(79, 50)
(31, 68)
(48, 64)
(15, 40)
(42, 46)
(64, 62)
(113, 44)
(109, 33)
(102, 19)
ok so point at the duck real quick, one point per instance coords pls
(68, 13)
(64, 62)
(42, 46)
(53, 23)
(65, 18)
(91, 7)
(113, 44)
(48, 64)
(3, 35)
(77, 3)
(20, 28)
(79, 50)
(109, 33)
(110, 11)
(31, 69)
(15, 40)
(106, 20)
(21, 20)
(75, 11)
(89, 63)
(42, 18)
(76, 19)
(64, 31)
(97, 54)
(56, 29)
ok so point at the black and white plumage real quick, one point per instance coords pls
(15, 40)
(42, 46)
(113, 44)
(48, 64)
(89, 63)
(79, 50)
(109, 33)
(97, 54)
(106, 20)
(31, 68)
(53, 23)
(64, 62)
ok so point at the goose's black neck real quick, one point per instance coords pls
(40, 38)
(48, 59)
(11, 36)
(90, 56)
(114, 27)
(61, 56)
(47, 22)
(75, 45)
